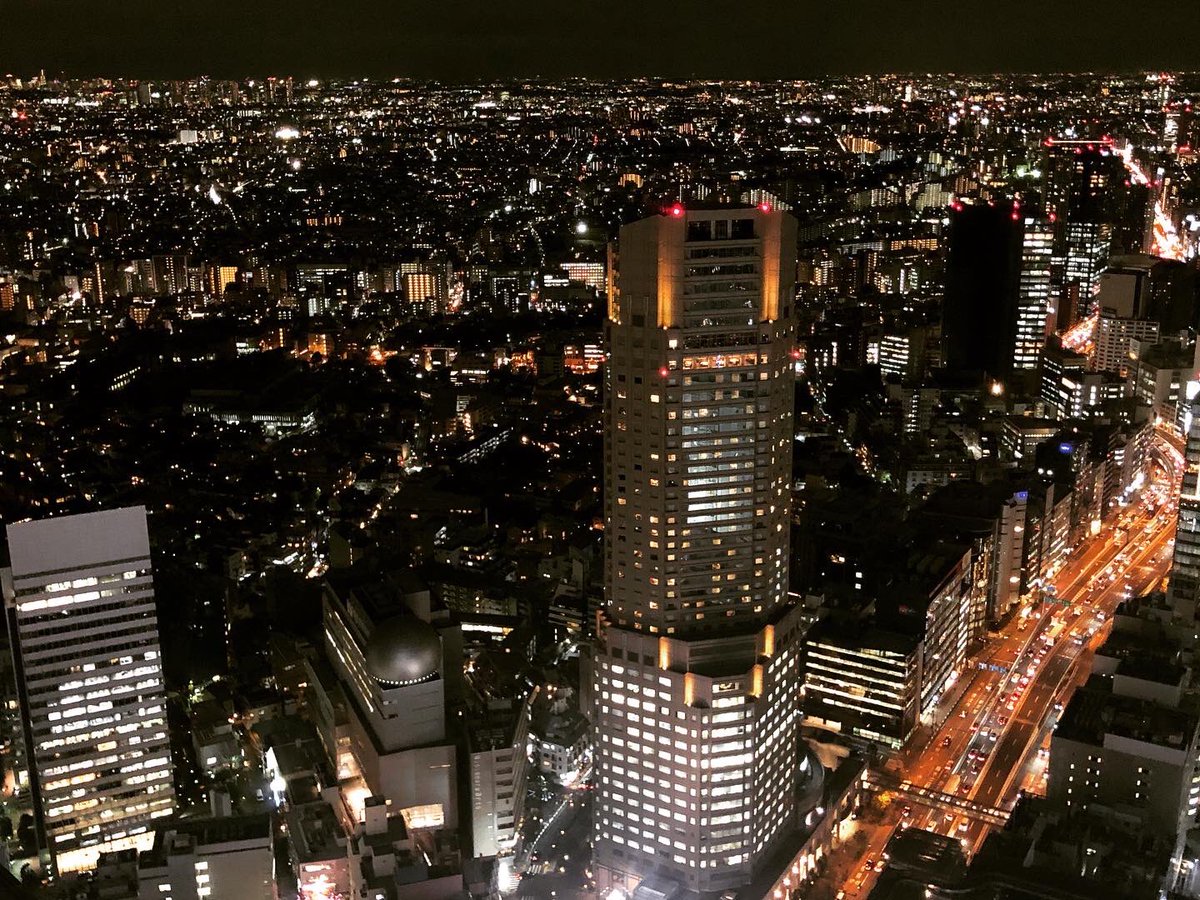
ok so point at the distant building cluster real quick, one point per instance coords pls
(634, 490)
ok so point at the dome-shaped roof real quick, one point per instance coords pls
(403, 650)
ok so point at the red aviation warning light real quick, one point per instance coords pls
(677, 210)
(764, 207)
(664, 372)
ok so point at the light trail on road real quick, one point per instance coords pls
(1047, 650)
(1166, 242)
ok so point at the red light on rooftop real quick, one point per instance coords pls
(677, 210)
(764, 207)
(664, 371)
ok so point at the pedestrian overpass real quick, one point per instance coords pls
(883, 781)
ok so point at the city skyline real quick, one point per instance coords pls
(610, 489)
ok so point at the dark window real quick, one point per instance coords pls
(699, 231)
(743, 229)
(722, 229)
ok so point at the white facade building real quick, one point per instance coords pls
(84, 633)
(1116, 337)
(392, 667)
(696, 662)
(499, 768)
(229, 858)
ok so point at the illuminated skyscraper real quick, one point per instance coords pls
(697, 651)
(1086, 247)
(1183, 589)
(1033, 300)
(80, 605)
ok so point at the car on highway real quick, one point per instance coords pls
(946, 741)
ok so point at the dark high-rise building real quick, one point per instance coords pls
(1087, 182)
(1082, 178)
(983, 289)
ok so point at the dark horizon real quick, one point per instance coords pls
(765, 41)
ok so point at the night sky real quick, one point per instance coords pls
(472, 39)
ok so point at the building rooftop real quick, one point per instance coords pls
(494, 727)
(853, 634)
(315, 832)
(179, 836)
(916, 850)
(1096, 711)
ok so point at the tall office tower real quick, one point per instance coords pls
(1085, 248)
(1086, 183)
(80, 606)
(696, 661)
(1183, 587)
(1033, 294)
(983, 289)
(1081, 178)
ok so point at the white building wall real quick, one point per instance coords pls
(85, 642)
